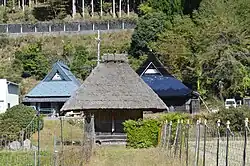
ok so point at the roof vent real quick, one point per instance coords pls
(122, 58)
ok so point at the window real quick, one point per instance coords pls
(57, 77)
(45, 105)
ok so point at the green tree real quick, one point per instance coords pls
(33, 61)
(59, 8)
(82, 63)
(147, 30)
(17, 118)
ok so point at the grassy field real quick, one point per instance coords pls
(72, 155)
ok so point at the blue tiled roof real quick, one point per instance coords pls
(53, 89)
(166, 86)
(56, 88)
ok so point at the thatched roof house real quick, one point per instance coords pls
(113, 84)
(113, 93)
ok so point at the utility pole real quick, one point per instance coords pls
(98, 46)
(38, 135)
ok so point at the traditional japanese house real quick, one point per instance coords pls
(111, 94)
(53, 91)
(172, 91)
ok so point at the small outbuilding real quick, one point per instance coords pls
(112, 94)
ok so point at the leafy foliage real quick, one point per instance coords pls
(236, 116)
(82, 62)
(146, 31)
(144, 133)
(16, 119)
(208, 46)
(32, 60)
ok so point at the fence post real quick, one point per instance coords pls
(55, 151)
(7, 28)
(64, 27)
(61, 124)
(169, 135)
(21, 28)
(218, 142)
(245, 142)
(181, 136)
(108, 25)
(164, 134)
(123, 24)
(227, 144)
(205, 141)
(35, 158)
(49, 27)
(176, 137)
(187, 139)
(79, 27)
(197, 142)
(35, 27)
(93, 26)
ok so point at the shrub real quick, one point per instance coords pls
(236, 116)
(144, 133)
(17, 118)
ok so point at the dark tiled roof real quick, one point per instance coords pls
(166, 86)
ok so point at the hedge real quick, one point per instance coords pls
(144, 132)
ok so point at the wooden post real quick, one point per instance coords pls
(89, 135)
(73, 8)
(113, 9)
(120, 8)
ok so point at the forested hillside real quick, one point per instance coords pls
(28, 59)
(204, 43)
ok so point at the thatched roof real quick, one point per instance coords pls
(113, 84)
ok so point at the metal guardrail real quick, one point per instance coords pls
(65, 27)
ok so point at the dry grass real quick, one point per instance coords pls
(111, 156)
(103, 155)
(119, 155)
(52, 131)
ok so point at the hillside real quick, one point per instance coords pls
(34, 55)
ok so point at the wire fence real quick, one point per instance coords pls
(66, 27)
(203, 144)
(60, 143)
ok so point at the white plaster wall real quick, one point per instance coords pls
(12, 99)
(3, 95)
